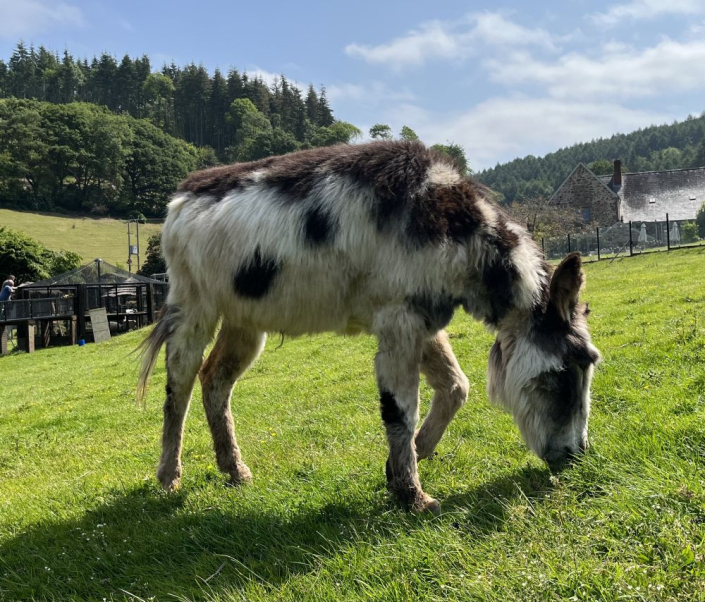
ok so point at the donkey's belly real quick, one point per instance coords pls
(308, 301)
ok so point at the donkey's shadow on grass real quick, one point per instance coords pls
(147, 542)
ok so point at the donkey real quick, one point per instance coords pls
(387, 238)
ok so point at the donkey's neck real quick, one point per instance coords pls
(509, 279)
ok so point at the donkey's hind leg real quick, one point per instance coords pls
(190, 334)
(234, 351)
(450, 385)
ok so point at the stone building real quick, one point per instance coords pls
(644, 196)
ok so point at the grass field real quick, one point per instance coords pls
(81, 516)
(89, 237)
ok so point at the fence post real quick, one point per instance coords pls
(631, 246)
(568, 243)
(543, 248)
(598, 242)
(668, 235)
(150, 304)
(81, 310)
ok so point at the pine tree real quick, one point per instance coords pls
(312, 105)
(324, 115)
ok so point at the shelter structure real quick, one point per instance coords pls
(59, 306)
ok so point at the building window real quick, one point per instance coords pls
(587, 216)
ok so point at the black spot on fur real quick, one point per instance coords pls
(436, 310)
(498, 277)
(562, 389)
(445, 213)
(255, 278)
(319, 227)
(391, 413)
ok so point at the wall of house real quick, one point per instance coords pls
(582, 190)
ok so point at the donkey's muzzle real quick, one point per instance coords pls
(559, 459)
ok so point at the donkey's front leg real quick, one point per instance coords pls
(401, 337)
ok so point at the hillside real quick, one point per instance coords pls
(81, 516)
(674, 146)
(89, 237)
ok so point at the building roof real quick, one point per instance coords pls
(88, 274)
(650, 195)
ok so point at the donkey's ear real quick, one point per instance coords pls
(566, 283)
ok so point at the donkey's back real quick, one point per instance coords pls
(308, 242)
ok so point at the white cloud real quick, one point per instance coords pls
(618, 72)
(371, 93)
(439, 40)
(648, 9)
(500, 129)
(269, 78)
(27, 17)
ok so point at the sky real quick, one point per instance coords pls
(503, 79)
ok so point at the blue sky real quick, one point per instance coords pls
(504, 79)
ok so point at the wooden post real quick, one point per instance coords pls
(29, 342)
(80, 302)
(568, 244)
(543, 248)
(72, 330)
(631, 246)
(598, 242)
(4, 332)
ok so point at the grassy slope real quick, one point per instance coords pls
(81, 516)
(87, 236)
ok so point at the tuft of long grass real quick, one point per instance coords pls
(81, 516)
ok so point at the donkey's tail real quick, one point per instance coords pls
(149, 348)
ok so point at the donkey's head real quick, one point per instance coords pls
(540, 369)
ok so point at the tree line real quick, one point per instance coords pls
(81, 157)
(674, 146)
(108, 136)
(187, 102)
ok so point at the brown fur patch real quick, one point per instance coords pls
(218, 181)
(394, 170)
(445, 212)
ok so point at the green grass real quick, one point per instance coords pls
(81, 516)
(89, 237)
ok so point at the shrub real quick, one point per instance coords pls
(689, 233)
(29, 260)
(700, 220)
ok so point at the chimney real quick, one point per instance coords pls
(617, 176)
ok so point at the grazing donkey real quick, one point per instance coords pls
(386, 238)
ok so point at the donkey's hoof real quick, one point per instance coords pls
(427, 504)
(170, 483)
(169, 479)
(240, 476)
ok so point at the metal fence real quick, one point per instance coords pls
(27, 309)
(625, 238)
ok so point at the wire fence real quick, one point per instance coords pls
(625, 239)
